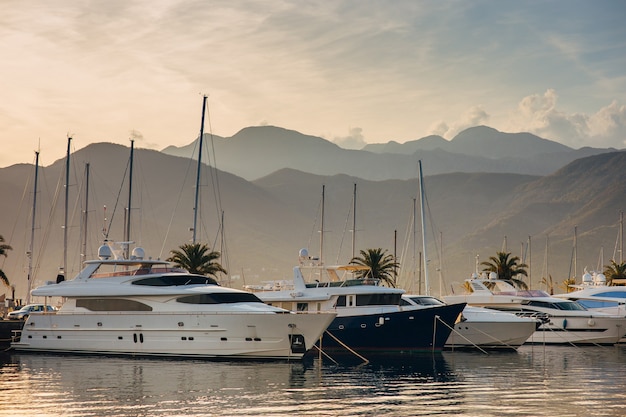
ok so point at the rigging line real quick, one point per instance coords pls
(313, 230)
(19, 210)
(178, 200)
(119, 193)
(216, 185)
(343, 234)
(48, 227)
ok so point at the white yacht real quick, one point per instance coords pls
(370, 320)
(563, 321)
(139, 307)
(595, 295)
(479, 327)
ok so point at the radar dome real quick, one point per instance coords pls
(587, 278)
(493, 275)
(600, 279)
(104, 252)
(138, 253)
(304, 253)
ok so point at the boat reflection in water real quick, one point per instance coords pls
(139, 306)
(539, 381)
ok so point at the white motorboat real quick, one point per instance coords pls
(370, 320)
(563, 321)
(138, 306)
(595, 295)
(481, 327)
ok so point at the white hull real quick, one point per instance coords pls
(491, 329)
(580, 331)
(206, 335)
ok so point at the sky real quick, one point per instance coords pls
(350, 71)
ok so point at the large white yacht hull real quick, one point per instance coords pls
(197, 334)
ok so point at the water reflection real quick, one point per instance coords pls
(529, 382)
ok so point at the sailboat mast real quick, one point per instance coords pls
(322, 228)
(200, 139)
(621, 237)
(130, 194)
(85, 215)
(67, 196)
(422, 205)
(32, 230)
(353, 221)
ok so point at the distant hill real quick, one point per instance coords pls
(255, 152)
(268, 220)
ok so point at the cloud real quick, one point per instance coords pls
(354, 141)
(538, 114)
(474, 116)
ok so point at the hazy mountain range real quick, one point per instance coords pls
(258, 151)
(268, 219)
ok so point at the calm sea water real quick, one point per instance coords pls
(534, 381)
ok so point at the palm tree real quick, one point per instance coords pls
(197, 258)
(507, 268)
(615, 271)
(548, 283)
(381, 265)
(4, 248)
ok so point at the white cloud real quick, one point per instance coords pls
(474, 116)
(354, 140)
(540, 115)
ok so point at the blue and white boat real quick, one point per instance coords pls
(370, 319)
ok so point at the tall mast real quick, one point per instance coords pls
(353, 220)
(621, 237)
(32, 230)
(67, 196)
(85, 214)
(130, 194)
(416, 266)
(422, 204)
(200, 139)
(322, 229)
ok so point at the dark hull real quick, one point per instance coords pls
(7, 327)
(403, 332)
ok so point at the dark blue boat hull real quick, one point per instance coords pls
(401, 332)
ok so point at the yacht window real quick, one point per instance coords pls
(111, 304)
(173, 280)
(566, 305)
(220, 298)
(378, 299)
(404, 302)
(303, 307)
(614, 294)
(426, 301)
(597, 303)
(341, 301)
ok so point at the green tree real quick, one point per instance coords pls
(507, 267)
(381, 265)
(614, 271)
(197, 258)
(4, 249)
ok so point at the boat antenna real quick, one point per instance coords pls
(195, 208)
